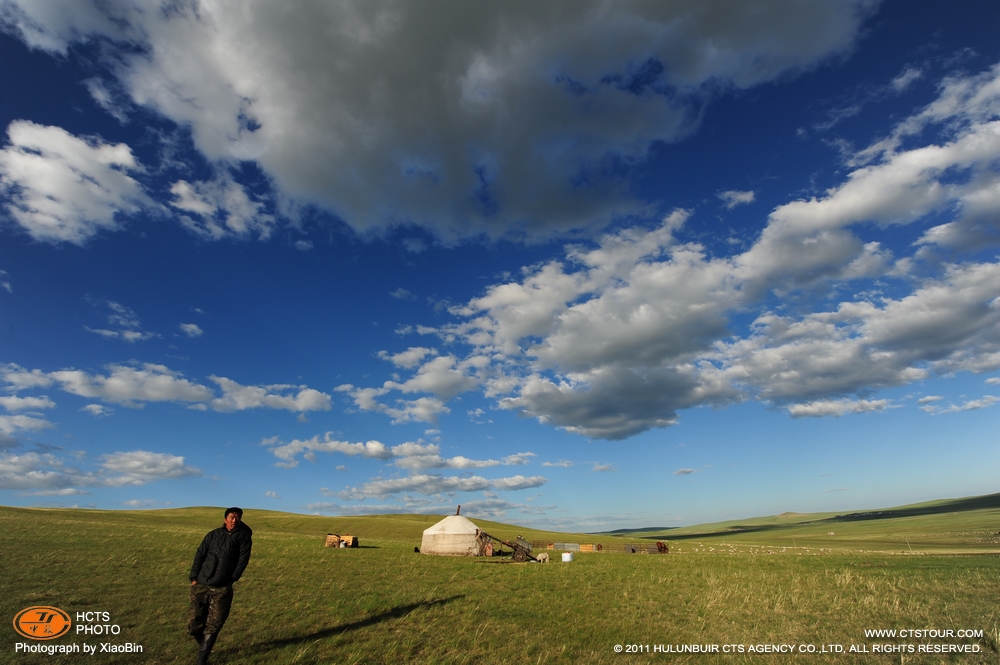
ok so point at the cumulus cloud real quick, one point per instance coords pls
(287, 452)
(410, 358)
(735, 197)
(836, 407)
(422, 409)
(236, 397)
(14, 403)
(19, 378)
(11, 424)
(412, 455)
(191, 329)
(131, 386)
(61, 188)
(617, 337)
(139, 467)
(134, 385)
(221, 208)
(464, 119)
(49, 473)
(491, 508)
(970, 405)
(434, 484)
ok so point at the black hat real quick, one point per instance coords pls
(234, 509)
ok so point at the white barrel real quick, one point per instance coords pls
(567, 557)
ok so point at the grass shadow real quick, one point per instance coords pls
(394, 613)
(936, 508)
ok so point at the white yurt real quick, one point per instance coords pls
(453, 536)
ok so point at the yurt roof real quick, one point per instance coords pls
(453, 524)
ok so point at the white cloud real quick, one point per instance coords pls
(617, 338)
(518, 459)
(929, 398)
(735, 197)
(131, 336)
(191, 329)
(906, 78)
(14, 403)
(423, 409)
(129, 385)
(836, 407)
(139, 503)
(993, 381)
(433, 484)
(18, 378)
(289, 451)
(410, 358)
(11, 424)
(39, 471)
(604, 467)
(221, 208)
(414, 456)
(970, 405)
(123, 319)
(236, 397)
(272, 495)
(65, 189)
(98, 410)
(133, 385)
(562, 463)
(48, 472)
(139, 467)
(684, 472)
(463, 119)
(640, 330)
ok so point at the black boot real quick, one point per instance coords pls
(206, 648)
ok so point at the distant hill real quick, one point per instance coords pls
(968, 524)
(622, 532)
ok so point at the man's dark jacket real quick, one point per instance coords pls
(222, 556)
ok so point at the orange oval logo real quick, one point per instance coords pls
(42, 623)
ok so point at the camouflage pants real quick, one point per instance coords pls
(210, 607)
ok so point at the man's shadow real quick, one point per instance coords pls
(394, 613)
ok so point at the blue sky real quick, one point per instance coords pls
(574, 266)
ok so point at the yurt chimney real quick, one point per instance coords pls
(459, 510)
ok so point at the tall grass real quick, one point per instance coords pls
(381, 603)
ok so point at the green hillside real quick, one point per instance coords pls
(300, 602)
(970, 525)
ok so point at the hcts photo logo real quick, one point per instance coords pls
(42, 623)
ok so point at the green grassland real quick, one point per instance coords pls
(777, 580)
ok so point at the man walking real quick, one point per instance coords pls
(220, 560)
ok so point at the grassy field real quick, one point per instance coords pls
(769, 581)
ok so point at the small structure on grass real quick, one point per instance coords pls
(453, 536)
(337, 540)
